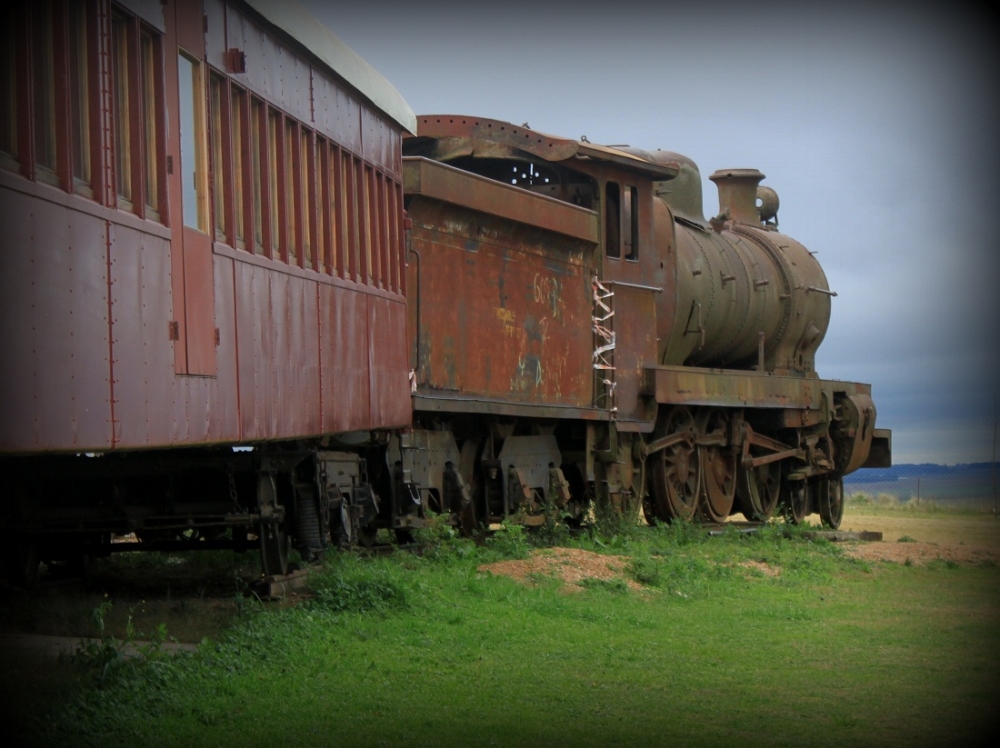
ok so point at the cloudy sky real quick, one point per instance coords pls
(876, 124)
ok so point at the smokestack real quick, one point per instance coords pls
(738, 193)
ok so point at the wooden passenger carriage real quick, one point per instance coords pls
(203, 247)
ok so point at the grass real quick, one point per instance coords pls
(427, 650)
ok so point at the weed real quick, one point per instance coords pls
(441, 540)
(646, 571)
(359, 588)
(615, 586)
(109, 657)
(906, 539)
(509, 541)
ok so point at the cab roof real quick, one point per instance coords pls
(459, 135)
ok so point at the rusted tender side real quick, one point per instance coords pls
(500, 281)
(205, 248)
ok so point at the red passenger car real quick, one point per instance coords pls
(203, 249)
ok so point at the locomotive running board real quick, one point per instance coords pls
(457, 403)
(688, 385)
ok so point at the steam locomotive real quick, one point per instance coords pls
(250, 300)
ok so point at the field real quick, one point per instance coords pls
(637, 636)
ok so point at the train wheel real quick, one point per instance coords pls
(831, 502)
(675, 471)
(719, 490)
(797, 502)
(759, 491)
(719, 485)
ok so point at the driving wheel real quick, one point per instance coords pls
(759, 491)
(719, 464)
(675, 471)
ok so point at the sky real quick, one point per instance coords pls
(875, 122)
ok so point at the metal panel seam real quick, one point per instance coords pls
(319, 350)
(236, 355)
(111, 335)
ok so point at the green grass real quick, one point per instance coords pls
(412, 650)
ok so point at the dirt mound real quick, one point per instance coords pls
(570, 565)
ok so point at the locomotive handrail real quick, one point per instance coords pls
(416, 349)
(654, 289)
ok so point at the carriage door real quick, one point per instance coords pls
(192, 272)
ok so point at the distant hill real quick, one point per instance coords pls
(926, 480)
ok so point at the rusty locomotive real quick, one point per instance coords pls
(250, 300)
(583, 335)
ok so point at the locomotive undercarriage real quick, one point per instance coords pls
(699, 464)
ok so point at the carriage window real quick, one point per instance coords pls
(612, 221)
(79, 96)
(44, 89)
(381, 220)
(364, 235)
(338, 213)
(123, 149)
(238, 98)
(371, 228)
(306, 196)
(149, 60)
(8, 92)
(258, 178)
(630, 222)
(321, 155)
(193, 161)
(349, 237)
(291, 238)
(218, 168)
(273, 126)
